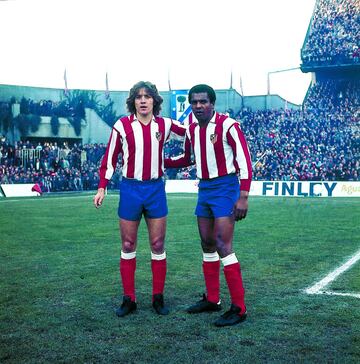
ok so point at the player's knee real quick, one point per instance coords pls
(208, 245)
(157, 245)
(128, 246)
(224, 249)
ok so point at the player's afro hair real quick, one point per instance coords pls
(203, 88)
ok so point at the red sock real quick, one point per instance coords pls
(127, 272)
(235, 284)
(211, 272)
(158, 268)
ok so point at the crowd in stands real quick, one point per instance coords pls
(333, 37)
(319, 142)
(335, 95)
(296, 145)
(56, 168)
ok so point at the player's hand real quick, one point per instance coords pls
(99, 197)
(241, 207)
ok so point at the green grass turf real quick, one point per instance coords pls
(60, 285)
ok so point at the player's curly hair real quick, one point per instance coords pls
(151, 90)
(203, 88)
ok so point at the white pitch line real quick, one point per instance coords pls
(319, 286)
(332, 293)
(183, 197)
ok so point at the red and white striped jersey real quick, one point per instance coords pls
(219, 148)
(141, 147)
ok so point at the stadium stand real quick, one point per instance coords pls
(320, 141)
(55, 168)
(333, 38)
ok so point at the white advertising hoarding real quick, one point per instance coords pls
(19, 190)
(282, 188)
(258, 188)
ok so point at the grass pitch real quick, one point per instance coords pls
(60, 285)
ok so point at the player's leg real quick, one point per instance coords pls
(222, 201)
(130, 214)
(155, 211)
(211, 261)
(210, 264)
(157, 230)
(206, 232)
(128, 233)
(223, 233)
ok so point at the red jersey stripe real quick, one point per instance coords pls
(161, 136)
(203, 143)
(219, 146)
(131, 146)
(146, 172)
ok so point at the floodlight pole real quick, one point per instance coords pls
(277, 71)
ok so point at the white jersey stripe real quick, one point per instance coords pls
(112, 144)
(211, 161)
(154, 151)
(125, 156)
(139, 147)
(197, 152)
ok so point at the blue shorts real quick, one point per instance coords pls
(139, 198)
(217, 196)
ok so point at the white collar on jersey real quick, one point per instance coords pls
(212, 120)
(134, 118)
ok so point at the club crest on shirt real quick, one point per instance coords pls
(213, 138)
(158, 135)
